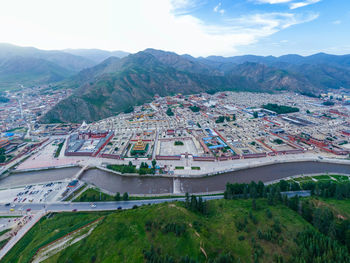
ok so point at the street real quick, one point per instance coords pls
(86, 206)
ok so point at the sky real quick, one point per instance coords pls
(198, 28)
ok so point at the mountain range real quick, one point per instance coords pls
(106, 83)
(117, 84)
(30, 66)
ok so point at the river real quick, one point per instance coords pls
(164, 185)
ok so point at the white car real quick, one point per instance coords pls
(93, 205)
(13, 205)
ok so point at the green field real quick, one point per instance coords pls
(126, 236)
(341, 178)
(322, 177)
(92, 195)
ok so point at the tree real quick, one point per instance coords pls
(125, 196)
(169, 112)
(154, 163)
(117, 197)
(130, 163)
(187, 203)
(2, 158)
(255, 114)
(254, 204)
(2, 151)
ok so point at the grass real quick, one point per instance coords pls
(59, 148)
(81, 189)
(4, 242)
(46, 231)
(195, 168)
(5, 231)
(179, 167)
(322, 177)
(302, 179)
(341, 206)
(123, 236)
(92, 195)
(341, 178)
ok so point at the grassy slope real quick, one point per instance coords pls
(342, 207)
(122, 236)
(47, 230)
(92, 195)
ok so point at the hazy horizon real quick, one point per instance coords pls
(117, 50)
(198, 28)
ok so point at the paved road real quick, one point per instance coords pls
(86, 206)
(12, 242)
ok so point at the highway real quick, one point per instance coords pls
(86, 206)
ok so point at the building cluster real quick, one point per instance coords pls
(87, 143)
(226, 126)
(24, 108)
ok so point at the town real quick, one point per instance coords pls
(200, 128)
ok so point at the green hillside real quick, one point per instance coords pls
(230, 231)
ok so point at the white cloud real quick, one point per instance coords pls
(303, 3)
(336, 22)
(293, 4)
(274, 1)
(132, 25)
(218, 9)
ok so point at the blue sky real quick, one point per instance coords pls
(198, 28)
(320, 26)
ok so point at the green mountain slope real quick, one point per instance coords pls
(114, 85)
(18, 71)
(117, 83)
(29, 66)
(231, 231)
(133, 81)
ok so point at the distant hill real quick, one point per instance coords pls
(17, 71)
(30, 66)
(70, 62)
(96, 55)
(117, 83)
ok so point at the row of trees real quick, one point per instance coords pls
(196, 204)
(255, 190)
(130, 168)
(118, 197)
